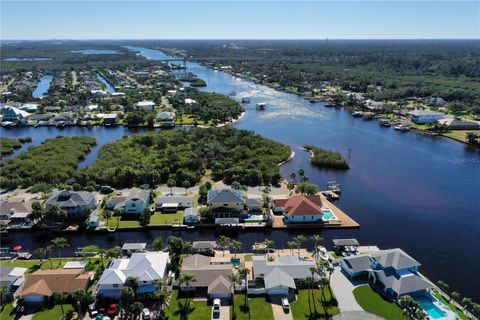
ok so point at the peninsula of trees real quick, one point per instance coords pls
(183, 156)
(326, 159)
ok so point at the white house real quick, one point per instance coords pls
(301, 209)
(147, 267)
(146, 105)
(191, 215)
(137, 201)
(14, 114)
(98, 93)
(421, 116)
(12, 278)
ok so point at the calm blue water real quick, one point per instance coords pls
(109, 87)
(27, 59)
(95, 51)
(418, 193)
(42, 86)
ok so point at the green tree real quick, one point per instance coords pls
(38, 211)
(299, 240)
(59, 298)
(234, 279)
(291, 245)
(127, 297)
(145, 218)
(412, 309)
(244, 272)
(132, 282)
(442, 285)
(186, 185)
(225, 243)
(3, 295)
(171, 183)
(307, 188)
(157, 244)
(456, 296)
(162, 296)
(236, 245)
(60, 243)
(186, 279)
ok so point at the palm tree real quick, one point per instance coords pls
(268, 245)
(186, 279)
(162, 295)
(244, 272)
(171, 183)
(291, 245)
(316, 240)
(293, 175)
(132, 282)
(234, 279)
(59, 298)
(3, 295)
(313, 270)
(102, 253)
(59, 244)
(186, 185)
(236, 245)
(299, 240)
(309, 282)
(41, 253)
(224, 243)
(48, 254)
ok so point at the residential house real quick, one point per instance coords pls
(454, 124)
(254, 204)
(43, 284)
(283, 275)
(16, 214)
(146, 105)
(436, 101)
(98, 93)
(165, 119)
(191, 215)
(173, 203)
(40, 117)
(14, 114)
(116, 202)
(147, 267)
(212, 280)
(392, 271)
(110, 119)
(225, 203)
(12, 278)
(301, 209)
(74, 203)
(421, 116)
(52, 109)
(137, 201)
(29, 107)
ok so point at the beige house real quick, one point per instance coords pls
(226, 203)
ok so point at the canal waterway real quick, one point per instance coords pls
(43, 86)
(410, 191)
(110, 88)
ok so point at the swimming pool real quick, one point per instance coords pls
(328, 215)
(433, 311)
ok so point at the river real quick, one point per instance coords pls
(418, 193)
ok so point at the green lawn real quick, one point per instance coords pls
(258, 308)
(248, 257)
(452, 307)
(166, 218)
(372, 302)
(55, 263)
(123, 222)
(7, 312)
(52, 314)
(300, 308)
(199, 310)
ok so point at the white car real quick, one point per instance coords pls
(216, 306)
(285, 305)
(146, 314)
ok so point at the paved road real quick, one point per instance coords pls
(343, 290)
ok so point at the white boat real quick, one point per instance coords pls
(402, 128)
(323, 254)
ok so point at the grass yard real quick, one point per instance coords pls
(452, 307)
(199, 310)
(248, 257)
(258, 308)
(52, 314)
(55, 263)
(300, 308)
(166, 218)
(123, 222)
(7, 312)
(460, 135)
(372, 302)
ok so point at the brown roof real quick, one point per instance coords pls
(220, 285)
(205, 272)
(46, 282)
(17, 205)
(301, 205)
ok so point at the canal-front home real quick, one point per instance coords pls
(172, 203)
(146, 105)
(225, 203)
(74, 203)
(12, 278)
(16, 214)
(137, 201)
(392, 271)
(422, 116)
(300, 208)
(14, 114)
(147, 267)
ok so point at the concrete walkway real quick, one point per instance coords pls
(343, 290)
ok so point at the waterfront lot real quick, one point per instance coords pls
(93, 263)
(257, 308)
(301, 310)
(198, 310)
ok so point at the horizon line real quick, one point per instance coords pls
(237, 39)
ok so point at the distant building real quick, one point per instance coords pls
(166, 118)
(146, 105)
(110, 119)
(74, 203)
(29, 107)
(454, 124)
(98, 93)
(436, 101)
(421, 116)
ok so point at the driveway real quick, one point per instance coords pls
(278, 312)
(343, 289)
(224, 313)
(356, 315)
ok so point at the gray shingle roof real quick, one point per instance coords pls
(205, 273)
(278, 278)
(358, 263)
(292, 265)
(220, 196)
(184, 200)
(220, 285)
(345, 242)
(138, 195)
(70, 198)
(191, 212)
(395, 258)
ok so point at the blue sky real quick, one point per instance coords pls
(240, 19)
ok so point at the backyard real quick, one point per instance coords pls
(372, 302)
(93, 265)
(51, 314)
(301, 308)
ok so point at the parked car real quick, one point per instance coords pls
(285, 305)
(216, 306)
(146, 314)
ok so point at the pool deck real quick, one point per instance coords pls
(344, 220)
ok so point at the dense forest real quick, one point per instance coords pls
(449, 69)
(326, 159)
(178, 156)
(8, 145)
(210, 108)
(52, 162)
